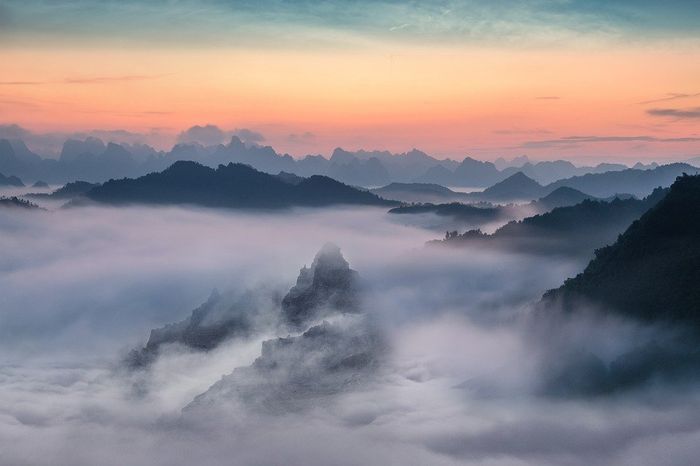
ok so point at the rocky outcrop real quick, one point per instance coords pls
(294, 371)
(328, 286)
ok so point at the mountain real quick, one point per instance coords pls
(93, 160)
(456, 210)
(232, 185)
(40, 184)
(651, 272)
(577, 229)
(10, 181)
(516, 162)
(15, 202)
(328, 288)
(219, 318)
(403, 167)
(436, 175)
(633, 181)
(74, 148)
(329, 283)
(473, 173)
(545, 172)
(356, 172)
(516, 187)
(295, 373)
(320, 359)
(68, 191)
(560, 197)
(417, 192)
(16, 159)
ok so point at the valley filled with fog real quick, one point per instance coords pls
(463, 373)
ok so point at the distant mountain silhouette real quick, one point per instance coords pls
(67, 191)
(517, 187)
(15, 202)
(607, 185)
(560, 197)
(633, 181)
(577, 229)
(232, 185)
(418, 192)
(652, 271)
(473, 173)
(516, 162)
(456, 210)
(10, 181)
(96, 161)
(40, 184)
(353, 171)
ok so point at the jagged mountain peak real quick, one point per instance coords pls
(329, 284)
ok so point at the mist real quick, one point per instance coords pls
(462, 380)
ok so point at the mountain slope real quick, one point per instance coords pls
(577, 229)
(652, 271)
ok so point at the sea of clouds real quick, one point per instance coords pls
(464, 365)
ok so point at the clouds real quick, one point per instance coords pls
(688, 113)
(457, 387)
(248, 136)
(50, 144)
(670, 96)
(569, 141)
(297, 23)
(210, 135)
(83, 80)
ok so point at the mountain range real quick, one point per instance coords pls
(578, 229)
(95, 161)
(232, 185)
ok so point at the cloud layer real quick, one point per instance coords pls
(459, 386)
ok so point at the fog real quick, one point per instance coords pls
(460, 383)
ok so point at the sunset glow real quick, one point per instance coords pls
(526, 91)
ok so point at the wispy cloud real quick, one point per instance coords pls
(108, 79)
(675, 112)
(670, 96)
(84, 80)
(301, 138)
(574, 140)
(522, 131)
(21, 83)
(17, 103)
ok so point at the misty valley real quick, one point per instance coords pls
(226, 311)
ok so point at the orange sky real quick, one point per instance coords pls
(450, 101)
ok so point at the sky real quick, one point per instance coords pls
(581, 80)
